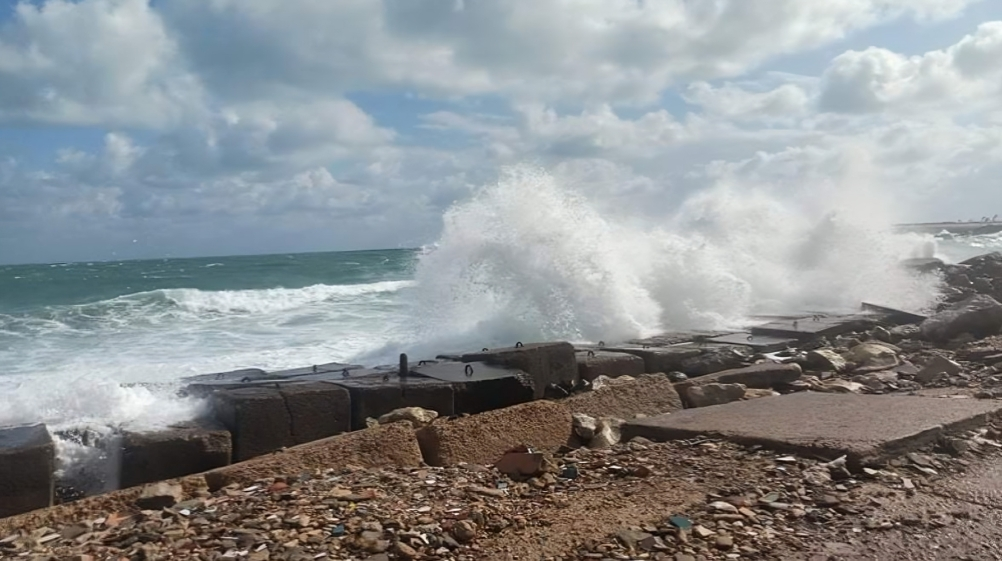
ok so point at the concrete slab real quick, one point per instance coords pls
(810, 327)
(330, 367)
(27, 464)
(760, 343)
(478, 386)
(676, 337)
(893, 315)
(595, 363)
(865, 428)
(316, 409)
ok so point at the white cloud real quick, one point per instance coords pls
(876, 79)
(96, 62)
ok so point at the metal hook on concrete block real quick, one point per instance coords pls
(468, 370)
(344, 373)
(519, 345)
(591, 354)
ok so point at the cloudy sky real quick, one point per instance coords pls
(151, 128)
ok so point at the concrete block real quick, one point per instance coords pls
(27, 466)
(764, 375)
(545, 363)
(482, 439)
(660, 359)
(647, 394)
(316, 409)
(376, 447)
(375, 393)
(865, 428)
(592, 364)
(174, 452)
(478, 386)
(257, 419)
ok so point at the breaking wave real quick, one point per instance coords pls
(529, 258)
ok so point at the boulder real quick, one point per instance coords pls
(416, 416)
(872, 357)
(826, 360)
(988, 265)
(482, 439)
(545, 364)
(584, 426)
(979, 315)
(592, 364)
(705, 395)
(715, 359)
(647, 394)
(765, 375)
(935, 367)
(27, 465)
(174, 452)
(607, 434)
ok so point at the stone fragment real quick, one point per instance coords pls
(607, 434)
(705, 395)
(584, 426)
(521, 465)
(826, 360)
(625, 398)
(464, 531)
(27, 463)
(158, 496)
(755, 393)
(715, 359)
(979, 315)
(936, 366)
(839, 385)
(871, 357)
(483, 438)
(416, 416)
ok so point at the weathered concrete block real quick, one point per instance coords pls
(647, 394)
(257, 418)
(545, 363)
(27, 465)
(376, 392)
(660, 359)
(484, 438)
(762, 376)
(979, 315)
(592, 364)
(381, 446)
(479, 387)
(316, 410)
(174, 452)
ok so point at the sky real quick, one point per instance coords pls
(138, 128)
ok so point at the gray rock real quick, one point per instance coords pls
(585, 426)
(979, 315)
(937, 366)
(157, 496)
(872, 357)
(826, 360)
(714, 394)
(417, 416)
(607, 433)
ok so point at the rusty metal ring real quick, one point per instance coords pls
(519, 345)
(468, 370)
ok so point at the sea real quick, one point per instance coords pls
(106, 344)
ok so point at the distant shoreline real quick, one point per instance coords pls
(954, 227)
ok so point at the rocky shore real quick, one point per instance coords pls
(869, 436)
